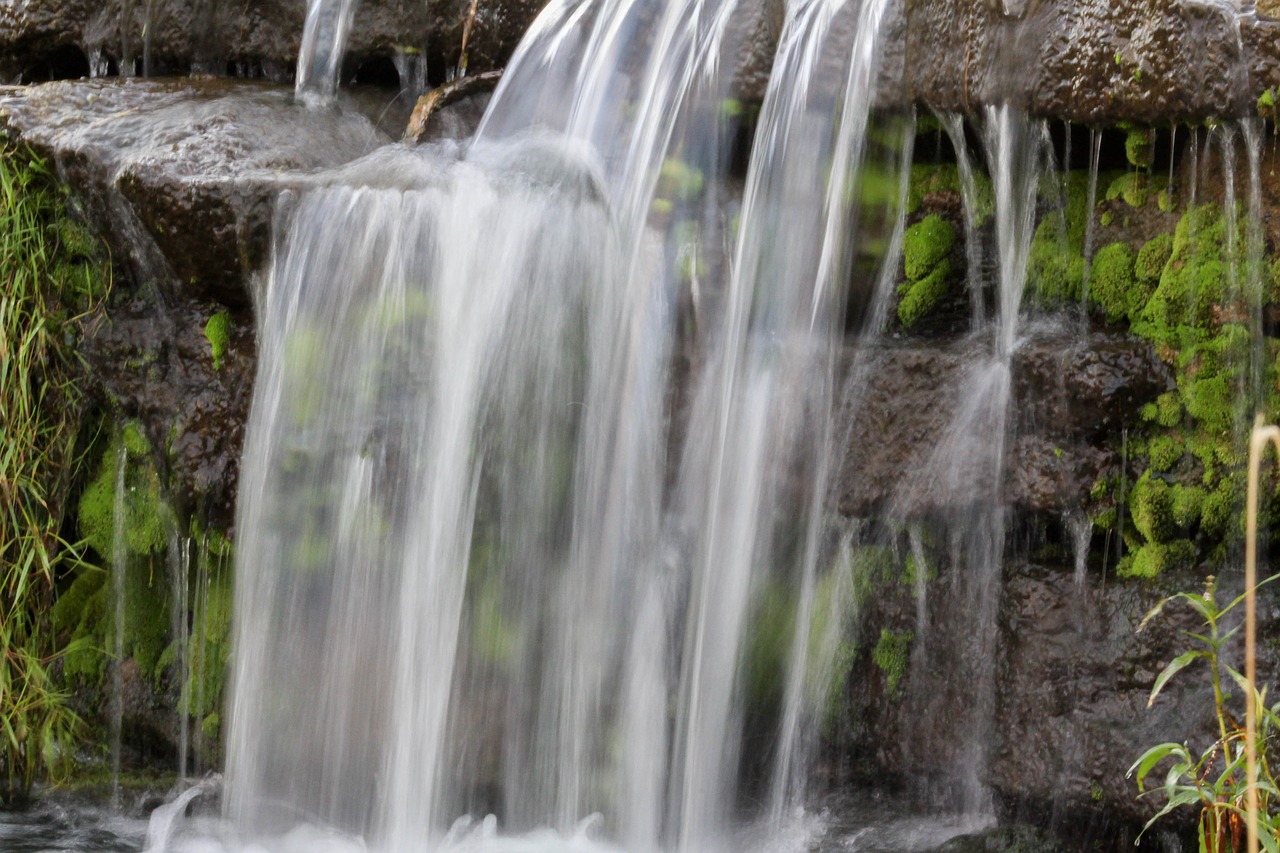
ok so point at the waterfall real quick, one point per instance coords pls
(488, 561)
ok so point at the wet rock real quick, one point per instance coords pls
(1069, 713)
(1016, 838)
(1072, 395)
(1091, 61)
(180, 176)
(181, 179)
(257, 39)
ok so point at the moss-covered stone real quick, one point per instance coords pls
(1186, 504)
(1151, 508)
(1152, 258)
(1133, 187)
(1163, 452)
(1112, 285)
(1155, 557)
(927, 179)
(925, 245)
(920, 297)
(146, 520)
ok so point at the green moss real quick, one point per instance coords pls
(925, 245)
(1163, 452)
(1193, 282)
(1054, 270)
(1218, 508)
(1211, 402)
(920, 297)
(1155, 557)
(1107, 219)
(891, 655)
(146, 521)
(1106, 519)
(1151, 508)
(80, 614)
(1140, 147)
(218, 332)
(1186, 504)
(927, 179)
(1166, 411)
(1112, 285)
(1152, 259)
(1133, 187)
(1164, 201)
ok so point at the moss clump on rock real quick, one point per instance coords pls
(1112, 285)
(1192, 282)
(1133, 187)
(1152, 258)
(926, 246)
(1140, 147)
(146, 514)
(218, 332)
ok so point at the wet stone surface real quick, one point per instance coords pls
(181, 178)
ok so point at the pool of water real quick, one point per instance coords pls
(189, 824)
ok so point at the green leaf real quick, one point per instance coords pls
(1175, 666)
(1154, 756)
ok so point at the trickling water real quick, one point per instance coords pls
(179, 609)
(411, 65)
(963, 472)
(1095, 152)
(128, 65)
(324, 44)
(1080, 526)
(953, 124)
(1195, 168)
(916, 536)
(1254, 295)
(119, 565)
(148, 27)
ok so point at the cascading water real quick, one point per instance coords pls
(463, 502)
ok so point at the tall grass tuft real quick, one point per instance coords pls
(51, 280)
